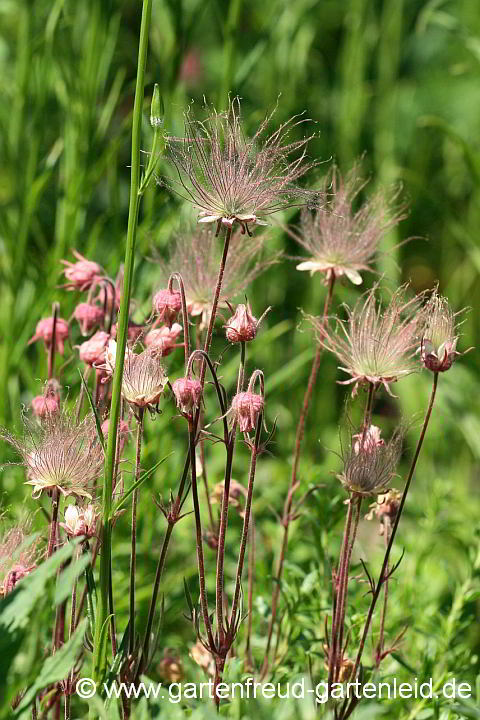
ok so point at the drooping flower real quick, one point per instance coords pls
(243, 326)
(81, 275)
(439, 337)
(385, 509)
(375, 345)
(246, 407)
(340, 239)
(88, 316)
(92, 352)
(163, 340)
(60, 454)
(369, 465)
(171, 666)
(18, 558)
(166, 305)
(187, 394)
(144, 379)
(196, 256)
(44, 331)
(232, 179)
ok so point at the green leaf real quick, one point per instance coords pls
(68, 577)
(56, 667)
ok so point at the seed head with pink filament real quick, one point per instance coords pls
(60, 454)
(232, 179)
(342, 240)
(369, 463)
(438, 348)
(196, 257)
(375, 345)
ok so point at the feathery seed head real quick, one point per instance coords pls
(369, 464)
(60, 454)
(439, 339)
(340, 239)
(375, 345)
(232, 179)
(196, 256)
(144, 379)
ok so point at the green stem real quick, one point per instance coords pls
(100, 641)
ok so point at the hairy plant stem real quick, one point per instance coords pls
(54, 523)
(133, 553)
(294, 482)
(199, 538)
(220, 580)
(347, 710)
(245, 530)
(70, 633)
(249, 665)
(172, 518)
(381, 636)
(100, 639)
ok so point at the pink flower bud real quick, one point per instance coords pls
(439, 360)
(88, 316)
(167, 304)
(92, 352)
(187, 394)
(246, 407)
(163, 339)
(82, 274)
(242, 326)
(45, 405)
(44, 331)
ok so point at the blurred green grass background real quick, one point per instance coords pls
(398, 80)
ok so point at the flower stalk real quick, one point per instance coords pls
(100, 639)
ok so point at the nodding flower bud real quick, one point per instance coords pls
(167, 304)
(187, 394)
(164, 339)
(92, 352)
(246, 407)
(80, 522)
(82, 274)
(45, 405)
(44, 331)
(242, 326)
(88, 316)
